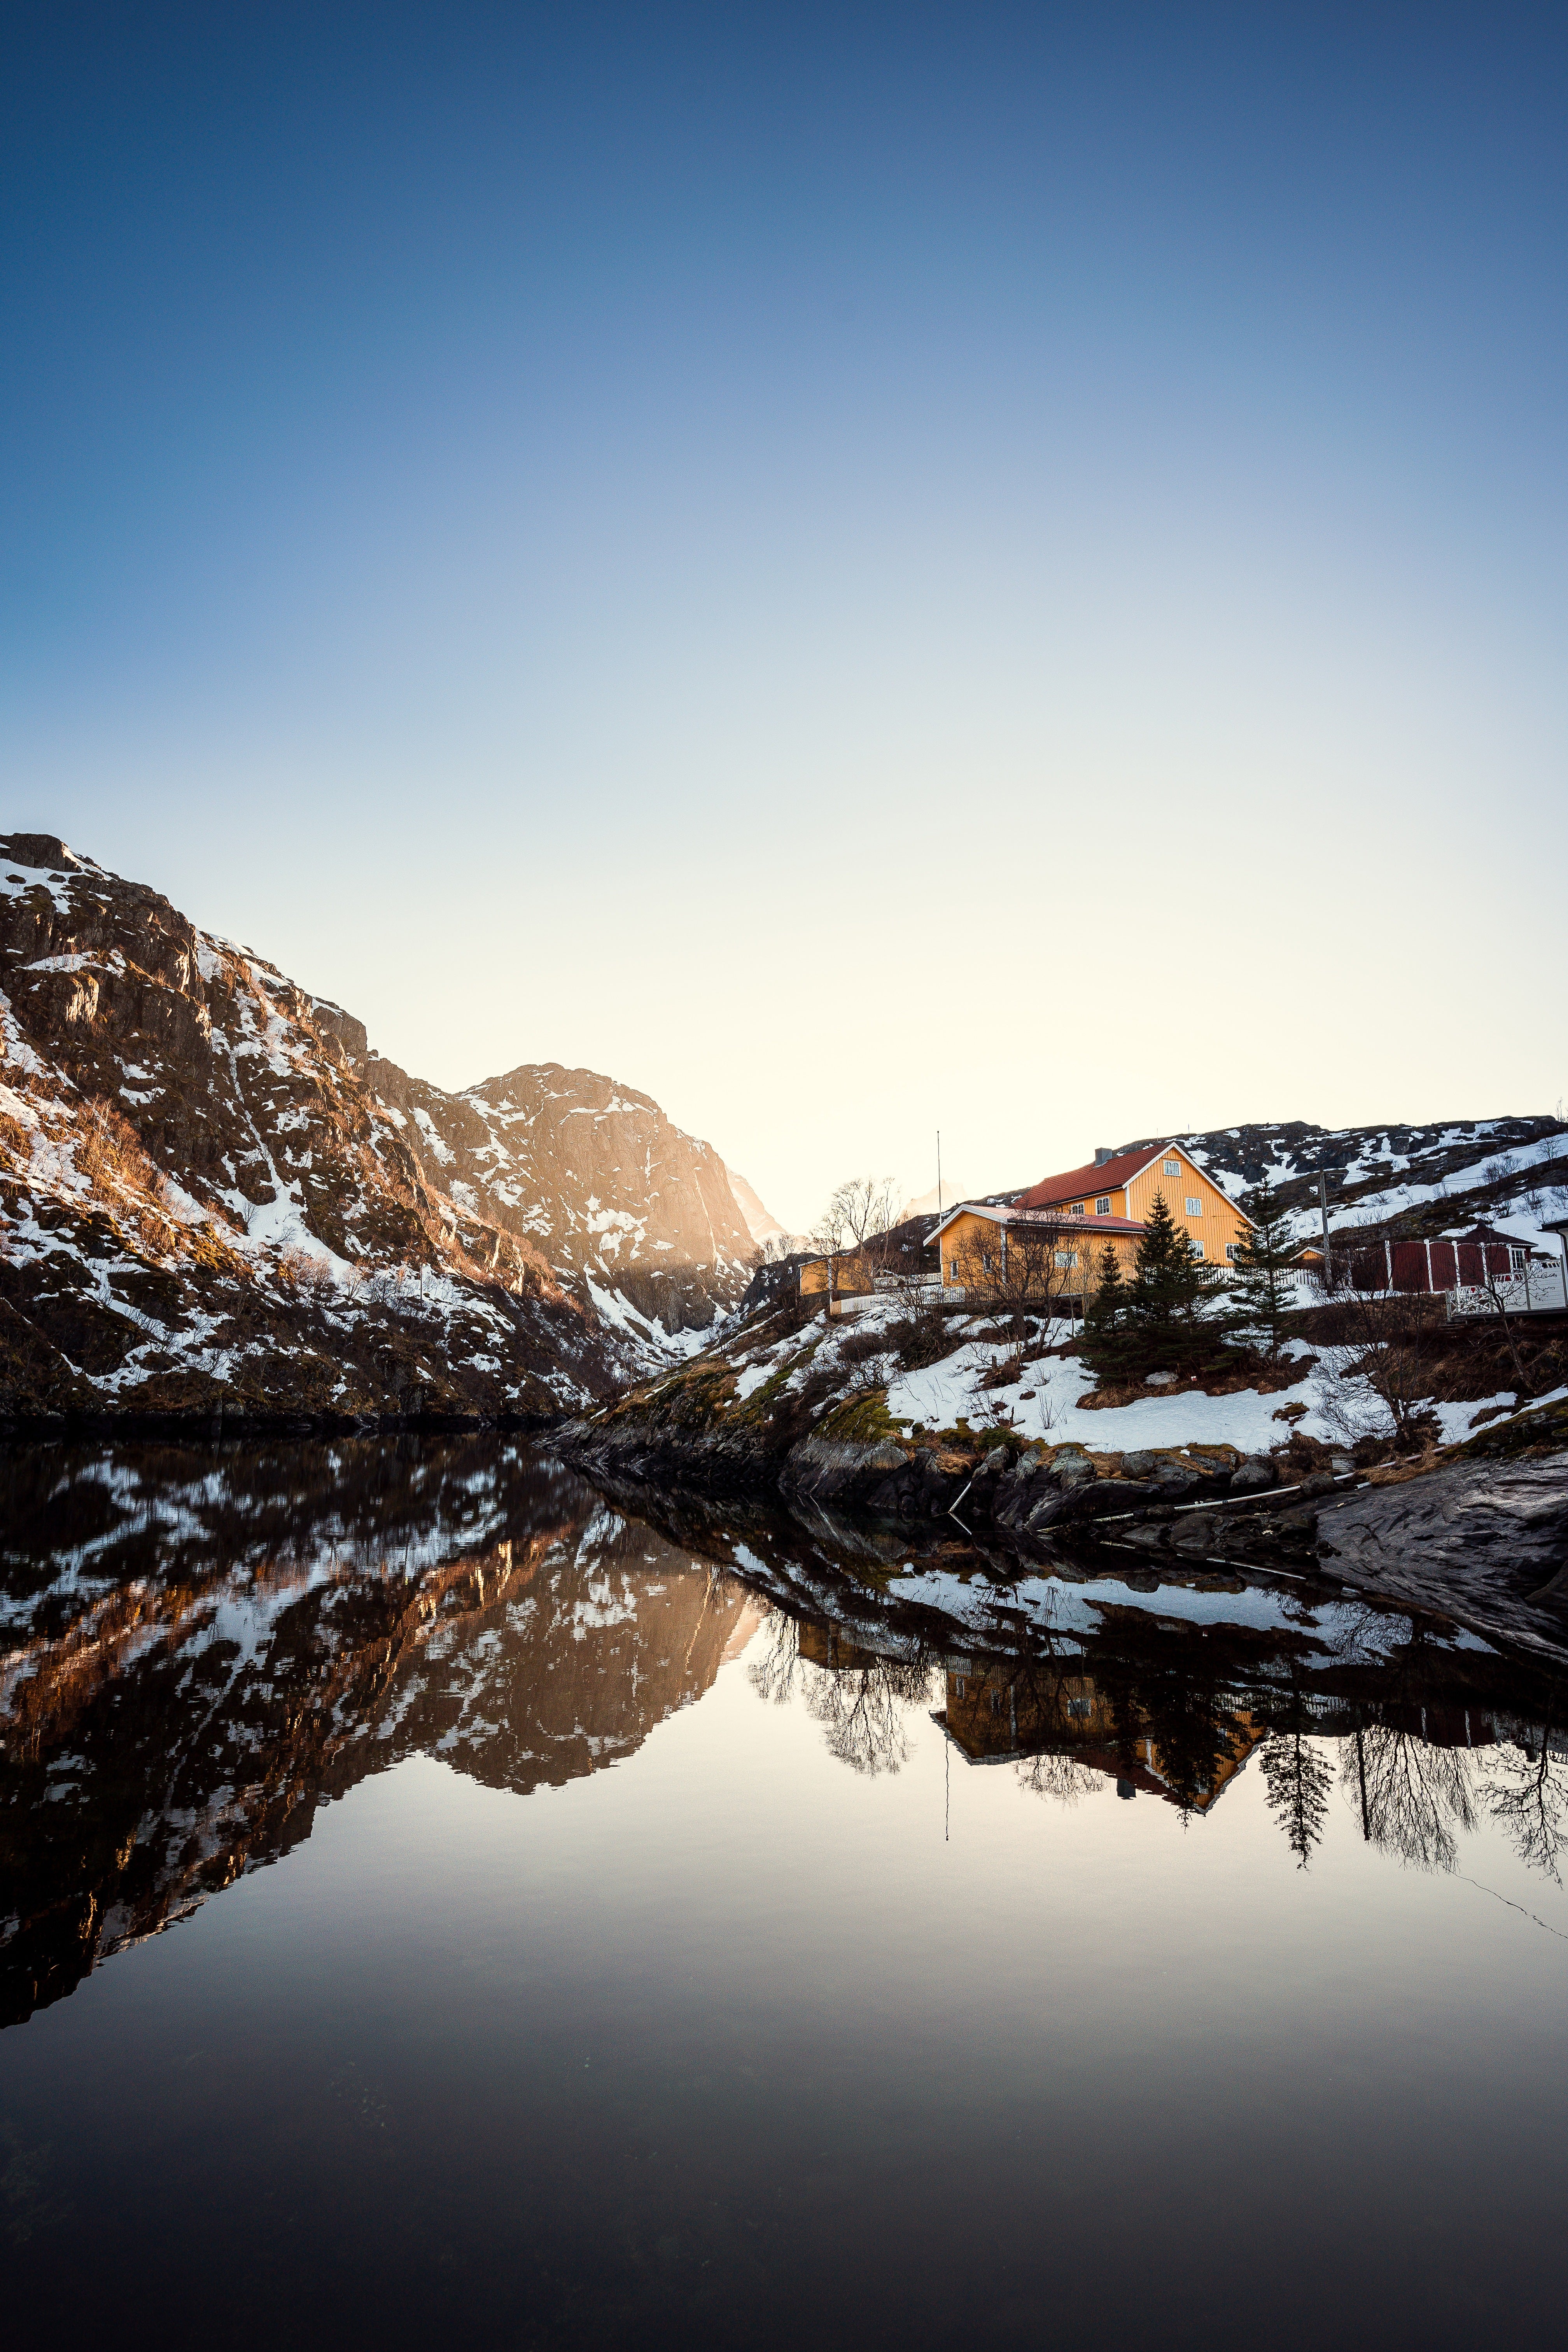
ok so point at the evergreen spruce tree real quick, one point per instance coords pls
(1105, 1317)
(1167, 1279)
(1263, 1293)
(1168, 1328)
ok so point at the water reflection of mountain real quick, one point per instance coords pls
(202, 1649)
(200, 1646)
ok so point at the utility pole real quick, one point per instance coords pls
(1328, 1246)
(939, 1174)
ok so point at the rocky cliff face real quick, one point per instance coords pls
(213, 1197)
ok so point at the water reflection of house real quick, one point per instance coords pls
(993, 1718)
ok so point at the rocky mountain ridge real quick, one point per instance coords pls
(634, 1216)
(215, 1198)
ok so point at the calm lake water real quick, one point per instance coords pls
(433, 1901)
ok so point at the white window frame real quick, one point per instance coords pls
(1173, 1167)
(1230, 1250)
(1102, 1205)
(1194, 1205)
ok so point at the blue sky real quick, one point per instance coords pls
(858, 569)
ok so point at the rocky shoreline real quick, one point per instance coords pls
(1479, 1535)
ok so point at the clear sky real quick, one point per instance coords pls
(858, 569)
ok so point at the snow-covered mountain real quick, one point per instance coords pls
(213, 1197)
(634, 1217)
(1423, 1180)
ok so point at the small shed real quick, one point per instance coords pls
(837, 1277)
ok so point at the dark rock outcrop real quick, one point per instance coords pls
(1488, 1541)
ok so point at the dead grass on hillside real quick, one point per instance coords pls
(111, 1154)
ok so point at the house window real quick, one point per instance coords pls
(985, 1261)
(1077, 1208)
(1080, 1708)
(1517, 1260)
(1231, 1248)
(953, 1270)
(1173, 1167)
(1066, 1257)
(1195, 1246)
(1195, 1206)
(1103, 1206)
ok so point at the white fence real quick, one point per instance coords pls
(1532, 1290)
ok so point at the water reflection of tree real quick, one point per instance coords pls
(1191, 1726)
(774, 1669)
(1412, 1798)
(863, 1702)
(1296, 1774)
(1060, 1775)
(1527, 1795)
(1296, 1777)
(865, 1708)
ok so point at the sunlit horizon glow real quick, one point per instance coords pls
(862, 574)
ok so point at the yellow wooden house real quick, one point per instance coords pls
(1075, 1217)
(994, 1716)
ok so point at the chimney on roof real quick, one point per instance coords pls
(1102, 1152)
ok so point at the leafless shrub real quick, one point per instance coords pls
(1383, 1348)
(304, 1271)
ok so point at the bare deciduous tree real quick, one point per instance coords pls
(1019, 1270)
(855, 1224)
(859, 1212)
(1501, 1295)
(1383, 1348)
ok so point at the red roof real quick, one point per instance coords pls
(1083, 1182)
